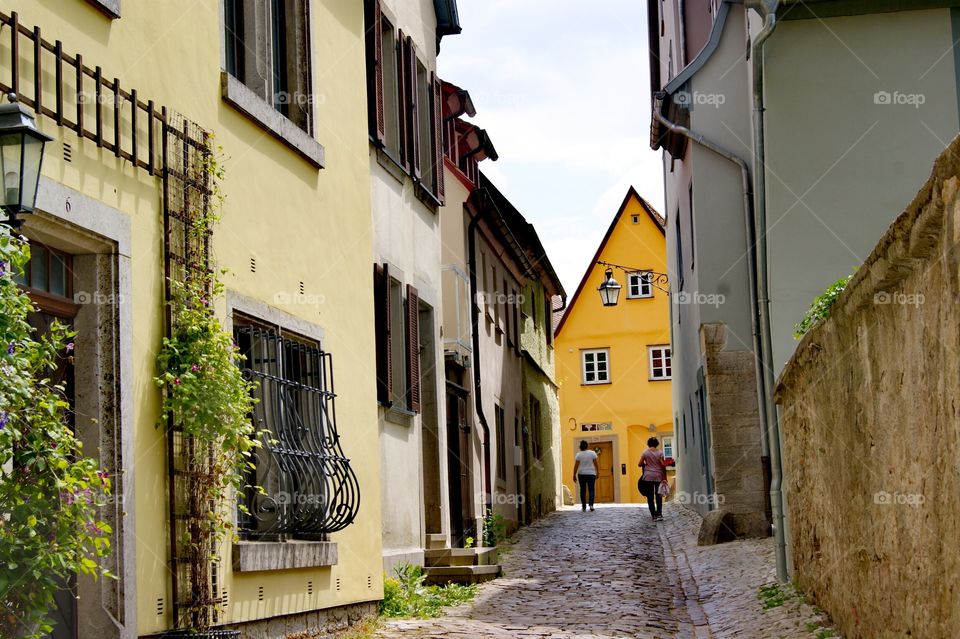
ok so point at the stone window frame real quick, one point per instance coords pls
(643, 286)
(255, 555)
(666, 355)
(99, 238)
(236, 93)
(596, 373)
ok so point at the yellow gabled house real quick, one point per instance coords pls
(613, 362)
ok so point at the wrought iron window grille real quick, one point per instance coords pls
(308, 487)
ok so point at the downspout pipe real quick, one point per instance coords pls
(481, 213)
(748, 223)
(768, 10)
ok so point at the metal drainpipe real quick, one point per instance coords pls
(767, 9)
(748, 223)
(475, 330)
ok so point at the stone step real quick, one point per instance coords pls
(460, 557)
(436, 542)
(440, 575)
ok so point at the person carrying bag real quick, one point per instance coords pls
(653, 482)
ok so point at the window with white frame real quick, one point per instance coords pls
(639, 285)
(668, 446)
(660, 364)
(596, 366)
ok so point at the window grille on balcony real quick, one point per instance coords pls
(309, 489)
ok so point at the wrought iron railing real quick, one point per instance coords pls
(303, 485)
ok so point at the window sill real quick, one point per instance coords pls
(256, 108)
(639, 297)
(109, 7)
(399, 416)
(255, 556)
(391, 165)
(659, 379)
(596, 383)
(428, 198)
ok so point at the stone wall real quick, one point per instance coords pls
(735, 435)
(869, 410)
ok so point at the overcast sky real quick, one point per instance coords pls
(562, 87)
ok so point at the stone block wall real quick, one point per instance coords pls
(734, 422)
(870, 413)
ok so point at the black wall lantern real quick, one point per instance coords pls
(21, 156)
(609, 289)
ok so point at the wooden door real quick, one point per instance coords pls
(605, 469)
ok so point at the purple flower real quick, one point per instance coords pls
(4, 416)
(194, 368)
(10, 349)
(68, 498)
(176, 381)
(70, 347)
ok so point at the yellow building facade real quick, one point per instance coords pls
(613, 363)
(295, 235)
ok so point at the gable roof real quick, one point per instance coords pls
(654, 216)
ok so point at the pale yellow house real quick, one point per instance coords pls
(613, 363)
(127, 90)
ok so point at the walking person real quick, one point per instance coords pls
(654, 473)
(585, 473)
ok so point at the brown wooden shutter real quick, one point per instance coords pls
(375, 50)
(437, 137)
(413, 125)
(381, 293)
(403, 99)
(413, 349)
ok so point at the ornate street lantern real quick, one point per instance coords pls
(609, 289)
(21, 156)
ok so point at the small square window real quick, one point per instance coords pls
(596, 366)
(668, 446)
(661, 366)
(639, 285)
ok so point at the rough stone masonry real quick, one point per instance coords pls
(869, 407)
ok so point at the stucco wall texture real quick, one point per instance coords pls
(871, 441)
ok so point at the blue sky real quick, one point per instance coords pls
(562, 87)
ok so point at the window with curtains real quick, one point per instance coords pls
(397, 326)
(267, 48)
(405, 110)
(305, 487)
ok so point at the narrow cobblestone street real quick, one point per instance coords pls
(574, 575)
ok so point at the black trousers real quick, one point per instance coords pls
(588, 483)
(654, 499)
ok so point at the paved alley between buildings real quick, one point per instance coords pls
(613, 573)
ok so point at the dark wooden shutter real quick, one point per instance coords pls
(381, 294)
(413, 124)
(403, 99)
(437, 137)
(413, 349)
(375, 70)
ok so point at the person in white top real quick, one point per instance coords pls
(585, 473)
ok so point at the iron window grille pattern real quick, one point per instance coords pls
(596, 366)
(309, 488)
(661, 365)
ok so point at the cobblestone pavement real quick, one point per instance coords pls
(614, 573)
